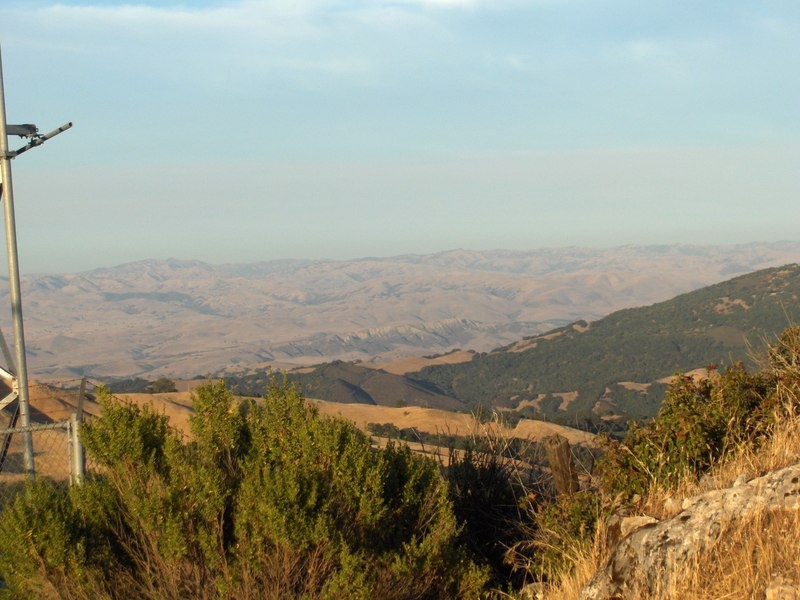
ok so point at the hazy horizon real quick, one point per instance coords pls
(388, 257)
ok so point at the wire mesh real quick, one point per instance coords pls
(51, 452)
(51, 407)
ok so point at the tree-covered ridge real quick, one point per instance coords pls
(718, 324)
(352, 383)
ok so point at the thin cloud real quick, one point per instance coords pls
(278, 18)
(782, 29)
(244, 40)
(473, 5)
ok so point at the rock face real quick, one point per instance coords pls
(645, 559)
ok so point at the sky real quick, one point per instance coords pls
(242, 131)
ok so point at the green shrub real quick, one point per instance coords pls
(702, 421)
(699, 422)
(268, 500)
(562, 527)
(161, 385)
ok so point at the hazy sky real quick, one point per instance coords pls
(235, 131)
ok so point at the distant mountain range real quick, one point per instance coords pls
(590, 374)
(187, 318)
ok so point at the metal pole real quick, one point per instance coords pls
(78, 456)
(14, 287)
(76, 460)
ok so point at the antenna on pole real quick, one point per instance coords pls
(20, 370)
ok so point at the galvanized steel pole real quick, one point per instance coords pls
(78, 474)
(21, 368)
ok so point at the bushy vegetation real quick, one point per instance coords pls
(561, 527)
(267, 500)
(135, 385)
(704, 421)
(700, 421)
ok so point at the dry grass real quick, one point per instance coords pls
(585, 561)
(178, 407)
(748, 556)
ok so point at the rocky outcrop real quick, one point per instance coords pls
(644, 560)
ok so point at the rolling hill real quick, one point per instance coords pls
(590, 374)
(350, 383)
(618, 366)
(181, 318)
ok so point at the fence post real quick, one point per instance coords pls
(560, 458)
(77, 456)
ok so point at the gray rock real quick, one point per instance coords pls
(644, 560)
(534, 591)
(631, 524)
(672, 505)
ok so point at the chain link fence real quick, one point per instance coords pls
(51, 451)
(57, 411)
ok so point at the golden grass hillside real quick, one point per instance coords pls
(178, 407)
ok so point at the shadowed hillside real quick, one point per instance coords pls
(351, 383)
